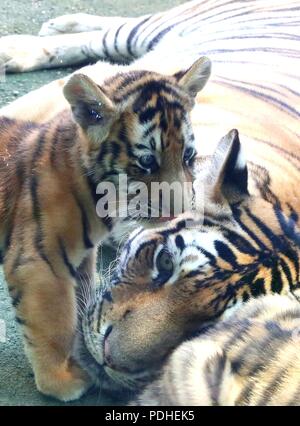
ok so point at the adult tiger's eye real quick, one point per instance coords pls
(148, 161)
(164, 263)
(189, 155)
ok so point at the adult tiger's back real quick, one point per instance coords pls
(254, 47)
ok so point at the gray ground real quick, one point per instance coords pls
(27, 16)
(24, 16)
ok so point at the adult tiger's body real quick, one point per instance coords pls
(254, 47)
(171, 281)
(249, 359)
(49, 224)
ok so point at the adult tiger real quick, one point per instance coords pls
(172, 281)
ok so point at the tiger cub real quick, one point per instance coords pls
(252, 358)
(136, 124)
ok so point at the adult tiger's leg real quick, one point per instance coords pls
(80, 23)
(45, 306)
(120, 40)
(19, 53)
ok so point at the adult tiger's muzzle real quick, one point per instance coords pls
(139, 340)
(135, 335)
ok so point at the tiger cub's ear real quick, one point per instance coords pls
(228, 172)
(92, 109)
(195, 78)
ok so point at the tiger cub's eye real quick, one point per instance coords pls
(189, 155)
(95, 115)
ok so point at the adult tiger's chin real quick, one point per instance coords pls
(119, 384)
(96, 371)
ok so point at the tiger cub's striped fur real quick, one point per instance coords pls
(253, 358)
(49, 227)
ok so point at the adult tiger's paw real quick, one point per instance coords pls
(66, 24)
(66, 382)
(79, 23)
(19, 53)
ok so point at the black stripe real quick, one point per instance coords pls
(146, 89)
(36, 209)
(258, 287)
(179, 241)
(272, 389)
(214, 371)
(28, 341)
(39, 246)
(158, 37)
(16, 299)
(288, 226)
(274, 239)
(107, 296)
(84, 223)
(20, 320)
(93, 188)
(116, 38)
(108, 222)
(241, 328)
(225, 253)
(237, 216)
(132, 34)
(149, 131)
(210, 257)
(287, 273)
(270, 99)
(54, 142)
(123, 136)
(276, 282)
(143, 246)
(105, 47)
(66, 260)
(178, 227)
(147, 115)
(239, 242)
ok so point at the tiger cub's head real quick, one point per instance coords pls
(172, 280)
(137, 125)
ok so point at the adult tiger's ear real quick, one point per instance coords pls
(227, 178)
(92, 109)
(195, 78)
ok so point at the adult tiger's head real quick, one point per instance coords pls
(137, 125)
(171, 281)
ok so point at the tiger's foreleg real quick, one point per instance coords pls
(45, 304)
(80, 22)
(19, 53)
